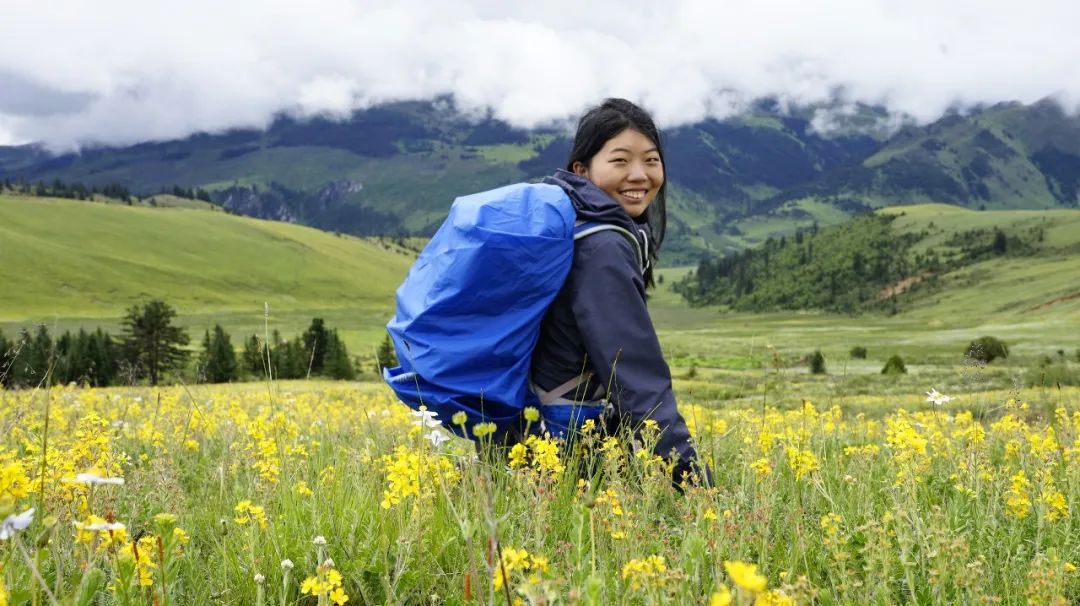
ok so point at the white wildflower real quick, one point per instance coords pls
(437, 438)
(95, 480)
(14, 523)
(425, 418)
(937, 398)
(286, 564)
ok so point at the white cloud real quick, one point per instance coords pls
(122, 71)
(7, 134)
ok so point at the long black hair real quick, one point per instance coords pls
(604, 122)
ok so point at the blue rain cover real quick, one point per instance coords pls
(469, 312)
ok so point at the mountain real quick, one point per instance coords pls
(734, 183)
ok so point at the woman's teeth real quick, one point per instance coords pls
(634, 194)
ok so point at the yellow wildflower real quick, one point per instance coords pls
(518, 560)
(721, 597)
(481, 430)
(802, 462)
(745, 575)
(180, 536)
(645, 572)
(1056, 505)
(1017, 500)
(245, 512)
(773, 598)
(761, 467)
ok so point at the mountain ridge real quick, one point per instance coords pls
(394, 169)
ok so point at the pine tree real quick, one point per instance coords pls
(39, 356)
(151, 341)
(253, 358)
(385, 356)
(20, 373)
(5, 348)
(104, 354)
(296, 359)
(315, 343)
(338, 364)
(218, 358)
(66, 368)
(288, 359)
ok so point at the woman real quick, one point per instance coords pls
(597, 340)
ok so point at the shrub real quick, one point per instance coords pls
(817, 363)
(858, 352)
(894, 366)
(987, 349)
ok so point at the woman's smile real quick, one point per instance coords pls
(629, 169)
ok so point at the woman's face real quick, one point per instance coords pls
(629, 169)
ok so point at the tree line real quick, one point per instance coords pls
(841, 268)
(858, 265)
(78, 191)
(151, 347)
(71, 191)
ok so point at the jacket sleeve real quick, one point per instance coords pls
(608, 297)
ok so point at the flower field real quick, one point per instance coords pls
(332, 493)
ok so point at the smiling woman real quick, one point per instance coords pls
(598, 323)
(629, 169)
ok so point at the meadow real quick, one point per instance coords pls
(324, 493)
(848, 487)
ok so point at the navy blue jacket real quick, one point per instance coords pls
(599, 322)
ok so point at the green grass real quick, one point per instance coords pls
(1033, 303)
(507, 153)
(77, 263)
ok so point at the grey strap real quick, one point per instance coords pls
(642, 262)
(547, 397)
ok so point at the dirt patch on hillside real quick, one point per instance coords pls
(1061, 299)
(903, 285)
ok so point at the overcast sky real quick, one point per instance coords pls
(119, 72)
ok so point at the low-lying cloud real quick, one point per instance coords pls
(74, 73)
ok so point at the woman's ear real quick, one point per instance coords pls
(580, 170)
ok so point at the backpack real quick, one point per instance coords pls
(469, 312)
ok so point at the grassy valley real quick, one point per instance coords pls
(68, 263)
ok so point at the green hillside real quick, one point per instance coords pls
(69, 263)
(394, 169)
(1041, 284)
(936, 260)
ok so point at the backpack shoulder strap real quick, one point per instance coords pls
(584, 229)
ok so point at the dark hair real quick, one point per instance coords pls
(597, 127)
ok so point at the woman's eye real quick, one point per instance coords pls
(619, 160)
(653, 160)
